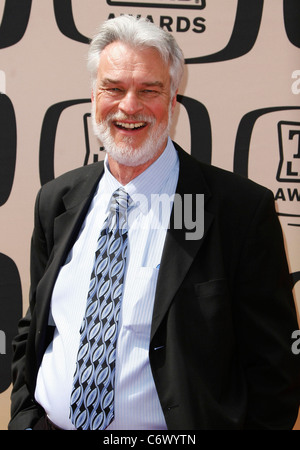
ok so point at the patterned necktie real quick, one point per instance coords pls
(92, 398)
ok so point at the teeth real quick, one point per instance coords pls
(130, 125)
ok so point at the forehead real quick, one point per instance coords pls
(122, 61)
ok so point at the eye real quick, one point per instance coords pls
(149, 92)
(113, 91)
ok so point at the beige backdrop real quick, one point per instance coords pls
(46, 67)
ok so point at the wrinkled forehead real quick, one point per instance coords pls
(119, 61)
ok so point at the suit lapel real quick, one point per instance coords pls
(77, 201)
(179, 253)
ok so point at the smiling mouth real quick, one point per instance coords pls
(130, 126)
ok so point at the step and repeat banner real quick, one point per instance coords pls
(238, 108)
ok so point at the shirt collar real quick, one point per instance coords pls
(149, 182)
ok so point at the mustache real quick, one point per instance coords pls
(119, 116)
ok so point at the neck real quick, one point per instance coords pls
(124, 174)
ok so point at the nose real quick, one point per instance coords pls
(130, 103)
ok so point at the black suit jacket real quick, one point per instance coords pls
(220, 349)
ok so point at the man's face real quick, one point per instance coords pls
(132, 103)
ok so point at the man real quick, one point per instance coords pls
(205, 321)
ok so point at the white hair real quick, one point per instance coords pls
(138, 33)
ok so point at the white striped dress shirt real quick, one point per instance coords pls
(136, 402)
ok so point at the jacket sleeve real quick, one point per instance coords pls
(265, 321)
(24, 411)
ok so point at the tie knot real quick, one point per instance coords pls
(118, 210)
(120, 201)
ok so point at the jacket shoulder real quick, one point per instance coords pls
(73, 177)
(219, 181)
(77, 183)
(232, 182)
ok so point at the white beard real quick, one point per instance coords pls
(126, 154)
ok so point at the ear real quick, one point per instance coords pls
(92, 96)
(174, 101)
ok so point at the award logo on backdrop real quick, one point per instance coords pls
(283, 152)
(175, 4)
(289, 149)
(14, 21)
(8, 147)
(291, 15)
(11, 293)
(243, 37)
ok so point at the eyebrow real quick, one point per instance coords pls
(153, 83)
(107, 81)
